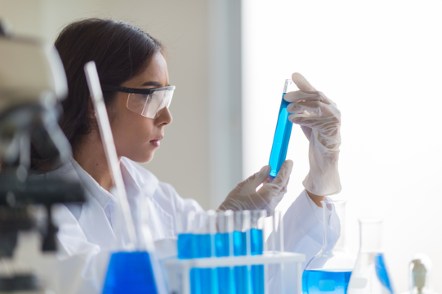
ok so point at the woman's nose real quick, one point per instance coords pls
(165, 117)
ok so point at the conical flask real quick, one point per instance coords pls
(370, 274)
(330, 270)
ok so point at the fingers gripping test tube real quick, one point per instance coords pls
(282, 134)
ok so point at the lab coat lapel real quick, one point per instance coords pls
(95, 224)
(93, 220)
(160, 222)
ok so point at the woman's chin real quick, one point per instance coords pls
(145, 158)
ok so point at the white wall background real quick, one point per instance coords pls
(183, 159)
(380, 61)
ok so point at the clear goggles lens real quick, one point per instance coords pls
(150, 105)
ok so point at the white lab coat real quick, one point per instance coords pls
(86, 230)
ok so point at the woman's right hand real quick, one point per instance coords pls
(246, 196)
(320, 119)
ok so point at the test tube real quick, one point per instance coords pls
(185, 235)
(257, 247)
(224, 248)
(201, 278)
(241, 246)
(282, 134)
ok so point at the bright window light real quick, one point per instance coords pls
(381, 62)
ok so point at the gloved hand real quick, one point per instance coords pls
(320, 120)
(246, 197)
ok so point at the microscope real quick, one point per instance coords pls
(32, 84)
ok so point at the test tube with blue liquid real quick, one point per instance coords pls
(224, 248)
(257, 248)
(283, 131)
(185, 236)
(241, 247)
(201, 278)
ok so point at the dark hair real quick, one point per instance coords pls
(120, 51)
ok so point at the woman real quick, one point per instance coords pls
(131, 66)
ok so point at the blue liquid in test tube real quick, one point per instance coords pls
(282, 135)
(184, 244)
(226, 283)
(257, 270)
(201, 278)
(241, 272)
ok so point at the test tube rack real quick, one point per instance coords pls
(178, 270)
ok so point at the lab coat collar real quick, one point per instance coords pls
(92, 214)
(102, 196)
(142, 180)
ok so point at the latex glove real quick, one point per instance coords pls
(320, 120)
(246, 197)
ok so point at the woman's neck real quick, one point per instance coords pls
(91, 157)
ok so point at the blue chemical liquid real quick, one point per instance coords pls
(129, 272)
(257, 270)
(281, 139)
(319, 281)
(226, 283)
(202, 279)
(241, 272)
(185, 246)
(381, 272)
(256, 241)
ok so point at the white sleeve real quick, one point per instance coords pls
(303, 232)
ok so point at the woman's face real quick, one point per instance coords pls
(137, 137)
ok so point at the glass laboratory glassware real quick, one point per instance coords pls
(241, 246)
(282, 133)
(370, 274)
(419, 275)
(257, 248)
(201, 278)
(185, 235)
(329, 271)
(224, 248)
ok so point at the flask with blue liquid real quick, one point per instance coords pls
(330, 270)
(370, 274)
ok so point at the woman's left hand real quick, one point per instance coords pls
(320, 119)
(246, 197)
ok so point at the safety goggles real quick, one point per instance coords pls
(147, 102)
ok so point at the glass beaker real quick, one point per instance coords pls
(330, 270)
(370, 273)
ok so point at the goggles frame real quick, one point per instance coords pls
(147, 93)
(135, 90)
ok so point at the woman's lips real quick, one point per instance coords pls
(156, 142)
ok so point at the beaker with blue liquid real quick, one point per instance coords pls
(370, 274)
(330, 270)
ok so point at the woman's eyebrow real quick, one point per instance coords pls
(152, 83)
